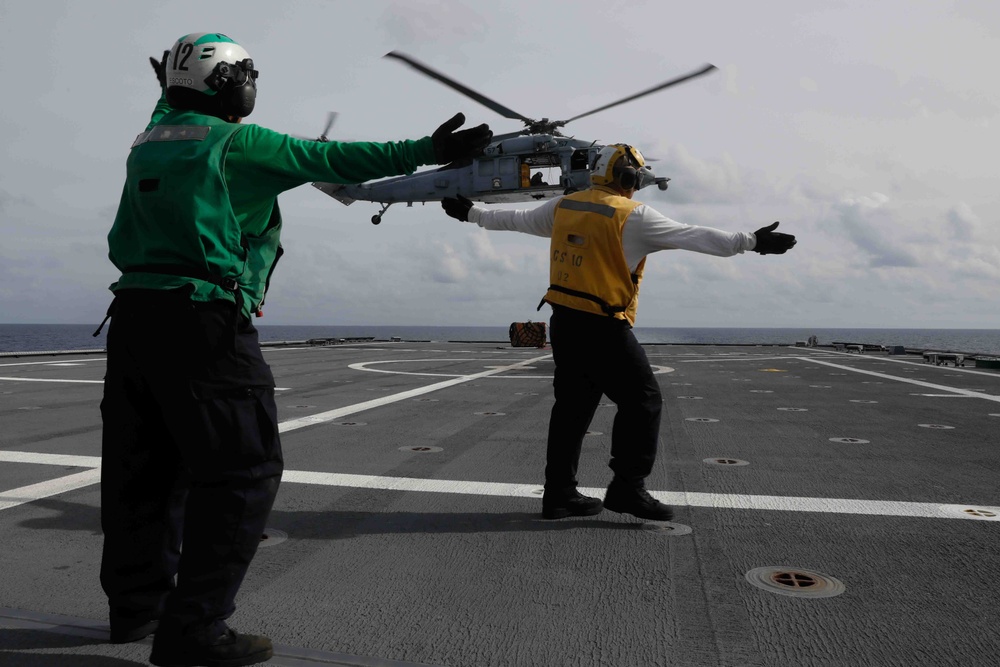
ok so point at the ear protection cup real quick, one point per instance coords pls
(235, 86)
(628, 177)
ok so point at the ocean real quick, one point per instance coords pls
(58, 337)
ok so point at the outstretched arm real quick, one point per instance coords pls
(537, 221)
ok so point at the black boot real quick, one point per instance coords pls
(561, 506)
(635, 500)
(220, 648)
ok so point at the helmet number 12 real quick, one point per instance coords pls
(184, 50)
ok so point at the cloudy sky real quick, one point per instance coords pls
(870, 130)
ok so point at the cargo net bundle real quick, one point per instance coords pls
(527, 334)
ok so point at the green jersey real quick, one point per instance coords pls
(199, 209)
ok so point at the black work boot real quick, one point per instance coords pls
(635, 500)
(222, 648)
(560, 506)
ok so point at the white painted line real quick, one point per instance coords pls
(52, 380)
(712, 359)
(51, 459)
(53, 363)
(921, 364)
(333, 415)
(27, 494)
(713, 500)
(919, 383)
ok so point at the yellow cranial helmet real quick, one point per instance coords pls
(605, 173)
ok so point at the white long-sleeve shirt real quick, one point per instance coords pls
(645, 231)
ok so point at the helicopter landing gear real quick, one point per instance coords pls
(377, 218)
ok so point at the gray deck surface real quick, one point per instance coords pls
(381, 555)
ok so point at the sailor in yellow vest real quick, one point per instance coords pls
(600, 240)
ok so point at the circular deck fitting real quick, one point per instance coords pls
(691, 398)
(742, 380)
(821, 386)
(772, 370)
(838, 373)
(703, 420)
(272, 537)
(871, 382)
(427, 400)
(850, 441)
(30, 407)
(526, 393)
(795, 582)
(606, 405)
(593, 433)
(491, 414)
(349, 423)
(761, 391)
(937, 426)
(302, 406)
(421, 449)
(977, 513)
(726, 462)
(667, 528)
(794, 409)
(858, 400)
(681, 384)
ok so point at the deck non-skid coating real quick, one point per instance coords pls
(417, 537)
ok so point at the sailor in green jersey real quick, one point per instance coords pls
(190, 444)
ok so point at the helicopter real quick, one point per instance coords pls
(511, 168)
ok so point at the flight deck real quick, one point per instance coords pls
(831, 508)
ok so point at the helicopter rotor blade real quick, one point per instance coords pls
(468, 92)
(666, 84)
(330, 118)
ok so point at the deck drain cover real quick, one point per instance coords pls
(795, 409)
(820, 386)
(427, 400)
(272, 537)
(593, 433)
(491, 414)
(421, 449)
(795, 582)
(850, 441)
(693, 398)
(349, 423)
(761, 391)
(302, 406)
(858, 400)
(940, 426)
(704, 420)
(726, 462)
(526, 393)
(667, 528)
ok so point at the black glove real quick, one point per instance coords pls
(770, 242)
(160, 68)
(450, 145)
(457, 208)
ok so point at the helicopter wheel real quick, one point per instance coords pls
(376, 219)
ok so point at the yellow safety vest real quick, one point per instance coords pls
(588, 270)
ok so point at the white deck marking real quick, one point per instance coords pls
(920, 383)
(52, 363)
(27, 494)
(921, 364)
(51, 380)
(332, 415)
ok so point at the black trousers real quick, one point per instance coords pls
(595, 355)
(190, 456)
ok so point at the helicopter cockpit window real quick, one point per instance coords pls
(579, 160)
